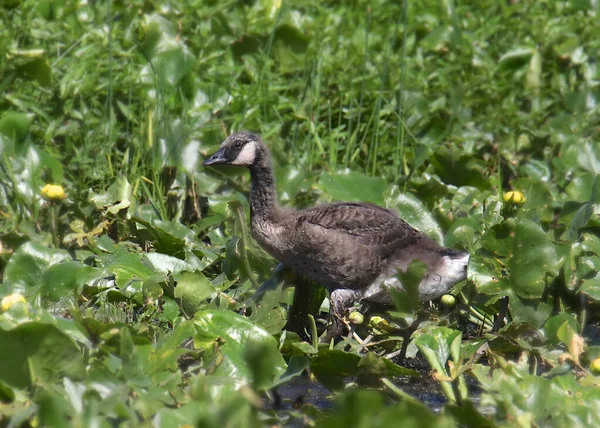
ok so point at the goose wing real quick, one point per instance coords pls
(377, 228)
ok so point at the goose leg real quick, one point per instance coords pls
(339, 302)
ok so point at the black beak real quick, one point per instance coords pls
(217, 158)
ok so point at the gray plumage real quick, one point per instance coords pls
(353, 249)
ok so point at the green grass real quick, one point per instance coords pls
(433, 108)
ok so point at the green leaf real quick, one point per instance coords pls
(498, 239)
(582, 154)
(516, 57)
(532, 312)
(555, 323)
(15, 125)
(408, 300)
(369, 408)
(243, 344)
(26, 268)
(438, 346)
(580, 188)
(488, 275)
(591, 287)
(331, 367)
(533, 260)
(296, 366)
(116, 198)
(289, 48)
(66, 280)
(38, 69)
(192, 290)
(585, 212)
(413, 212)
(165, 264)
(533, 77)
(353, 186)
(53, 409)
(128, 268)
(437, 39)
(33, 352)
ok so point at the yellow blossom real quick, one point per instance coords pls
(10, 300)
(53, 192)
(514, 197)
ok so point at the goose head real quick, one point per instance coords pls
(240, 149)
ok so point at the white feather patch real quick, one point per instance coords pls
(246, 155)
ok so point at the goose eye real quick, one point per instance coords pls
(237, 144)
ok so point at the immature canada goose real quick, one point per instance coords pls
(354, 249)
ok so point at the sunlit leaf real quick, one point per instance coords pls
(34, 352)
(243, 343)
(192, 290)
(353, 186)
(26, 268)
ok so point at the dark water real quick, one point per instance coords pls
(304, 391)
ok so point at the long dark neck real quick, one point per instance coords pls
(263, 195)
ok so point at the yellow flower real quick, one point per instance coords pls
(10, 300)
(514, 197)
(595, 366)
(53, 192)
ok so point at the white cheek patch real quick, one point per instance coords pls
(246, 155)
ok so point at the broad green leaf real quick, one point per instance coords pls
(26, 268)
(437, 39)
(34, 352)
(353, 186)
(580, 188)
(533, 77)
(250, 354)
(517, 56)
(128, 268)
(498, 239)
(66, 280)
(15, 125)
(584, 214)
(555, 323)
(413, 212)
(332, 367)
(165, 264)
(369, 408)
(191, 291)
(53, 408)
(591, 287)
(574, 342)
(289, 48)
(296, 366)
(488, 274)
(582, 154)
(533, 260)
(533, 312)
(116, 198)
(408, 299)
(38, 69)
(438, 346)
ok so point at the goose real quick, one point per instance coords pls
(353, 249)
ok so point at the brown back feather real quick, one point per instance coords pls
(377, 228)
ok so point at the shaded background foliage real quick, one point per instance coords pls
(434, 108)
